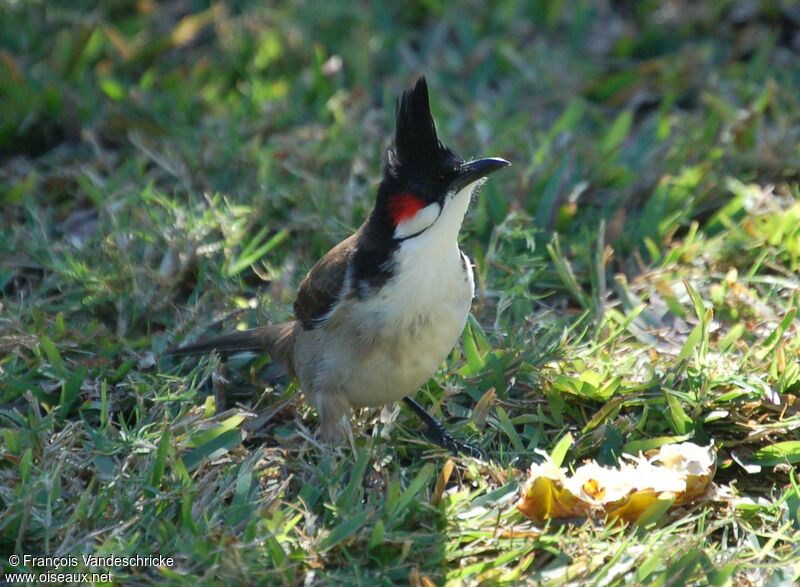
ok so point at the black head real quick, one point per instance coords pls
(419, 169)
(420, 180)
(417, 162)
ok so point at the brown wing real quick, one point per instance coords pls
(320, 289)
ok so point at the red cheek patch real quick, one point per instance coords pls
(404, 206)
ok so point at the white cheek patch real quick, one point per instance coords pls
(419, 222)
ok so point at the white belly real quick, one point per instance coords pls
(387, 346)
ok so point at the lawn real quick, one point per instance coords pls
(169, 170)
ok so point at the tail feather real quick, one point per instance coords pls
(275, 339)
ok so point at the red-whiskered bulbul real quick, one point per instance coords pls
(380, 312)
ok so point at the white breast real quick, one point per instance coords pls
(408, 327)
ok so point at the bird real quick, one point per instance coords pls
(377, 315)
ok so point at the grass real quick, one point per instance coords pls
(170, 169)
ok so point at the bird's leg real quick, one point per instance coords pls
(438, 435)
(333, 408)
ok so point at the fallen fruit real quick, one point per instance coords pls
(679, 473)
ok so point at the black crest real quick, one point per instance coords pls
(416, 147)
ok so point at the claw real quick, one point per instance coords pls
(437, 434)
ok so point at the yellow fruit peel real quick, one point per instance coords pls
(545, 496)
(680, 473)
(697, 464)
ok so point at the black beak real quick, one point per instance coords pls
(475, 170)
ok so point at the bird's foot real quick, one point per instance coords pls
(441, 437)
(437, 434)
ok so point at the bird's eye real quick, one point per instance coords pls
(421, 188)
